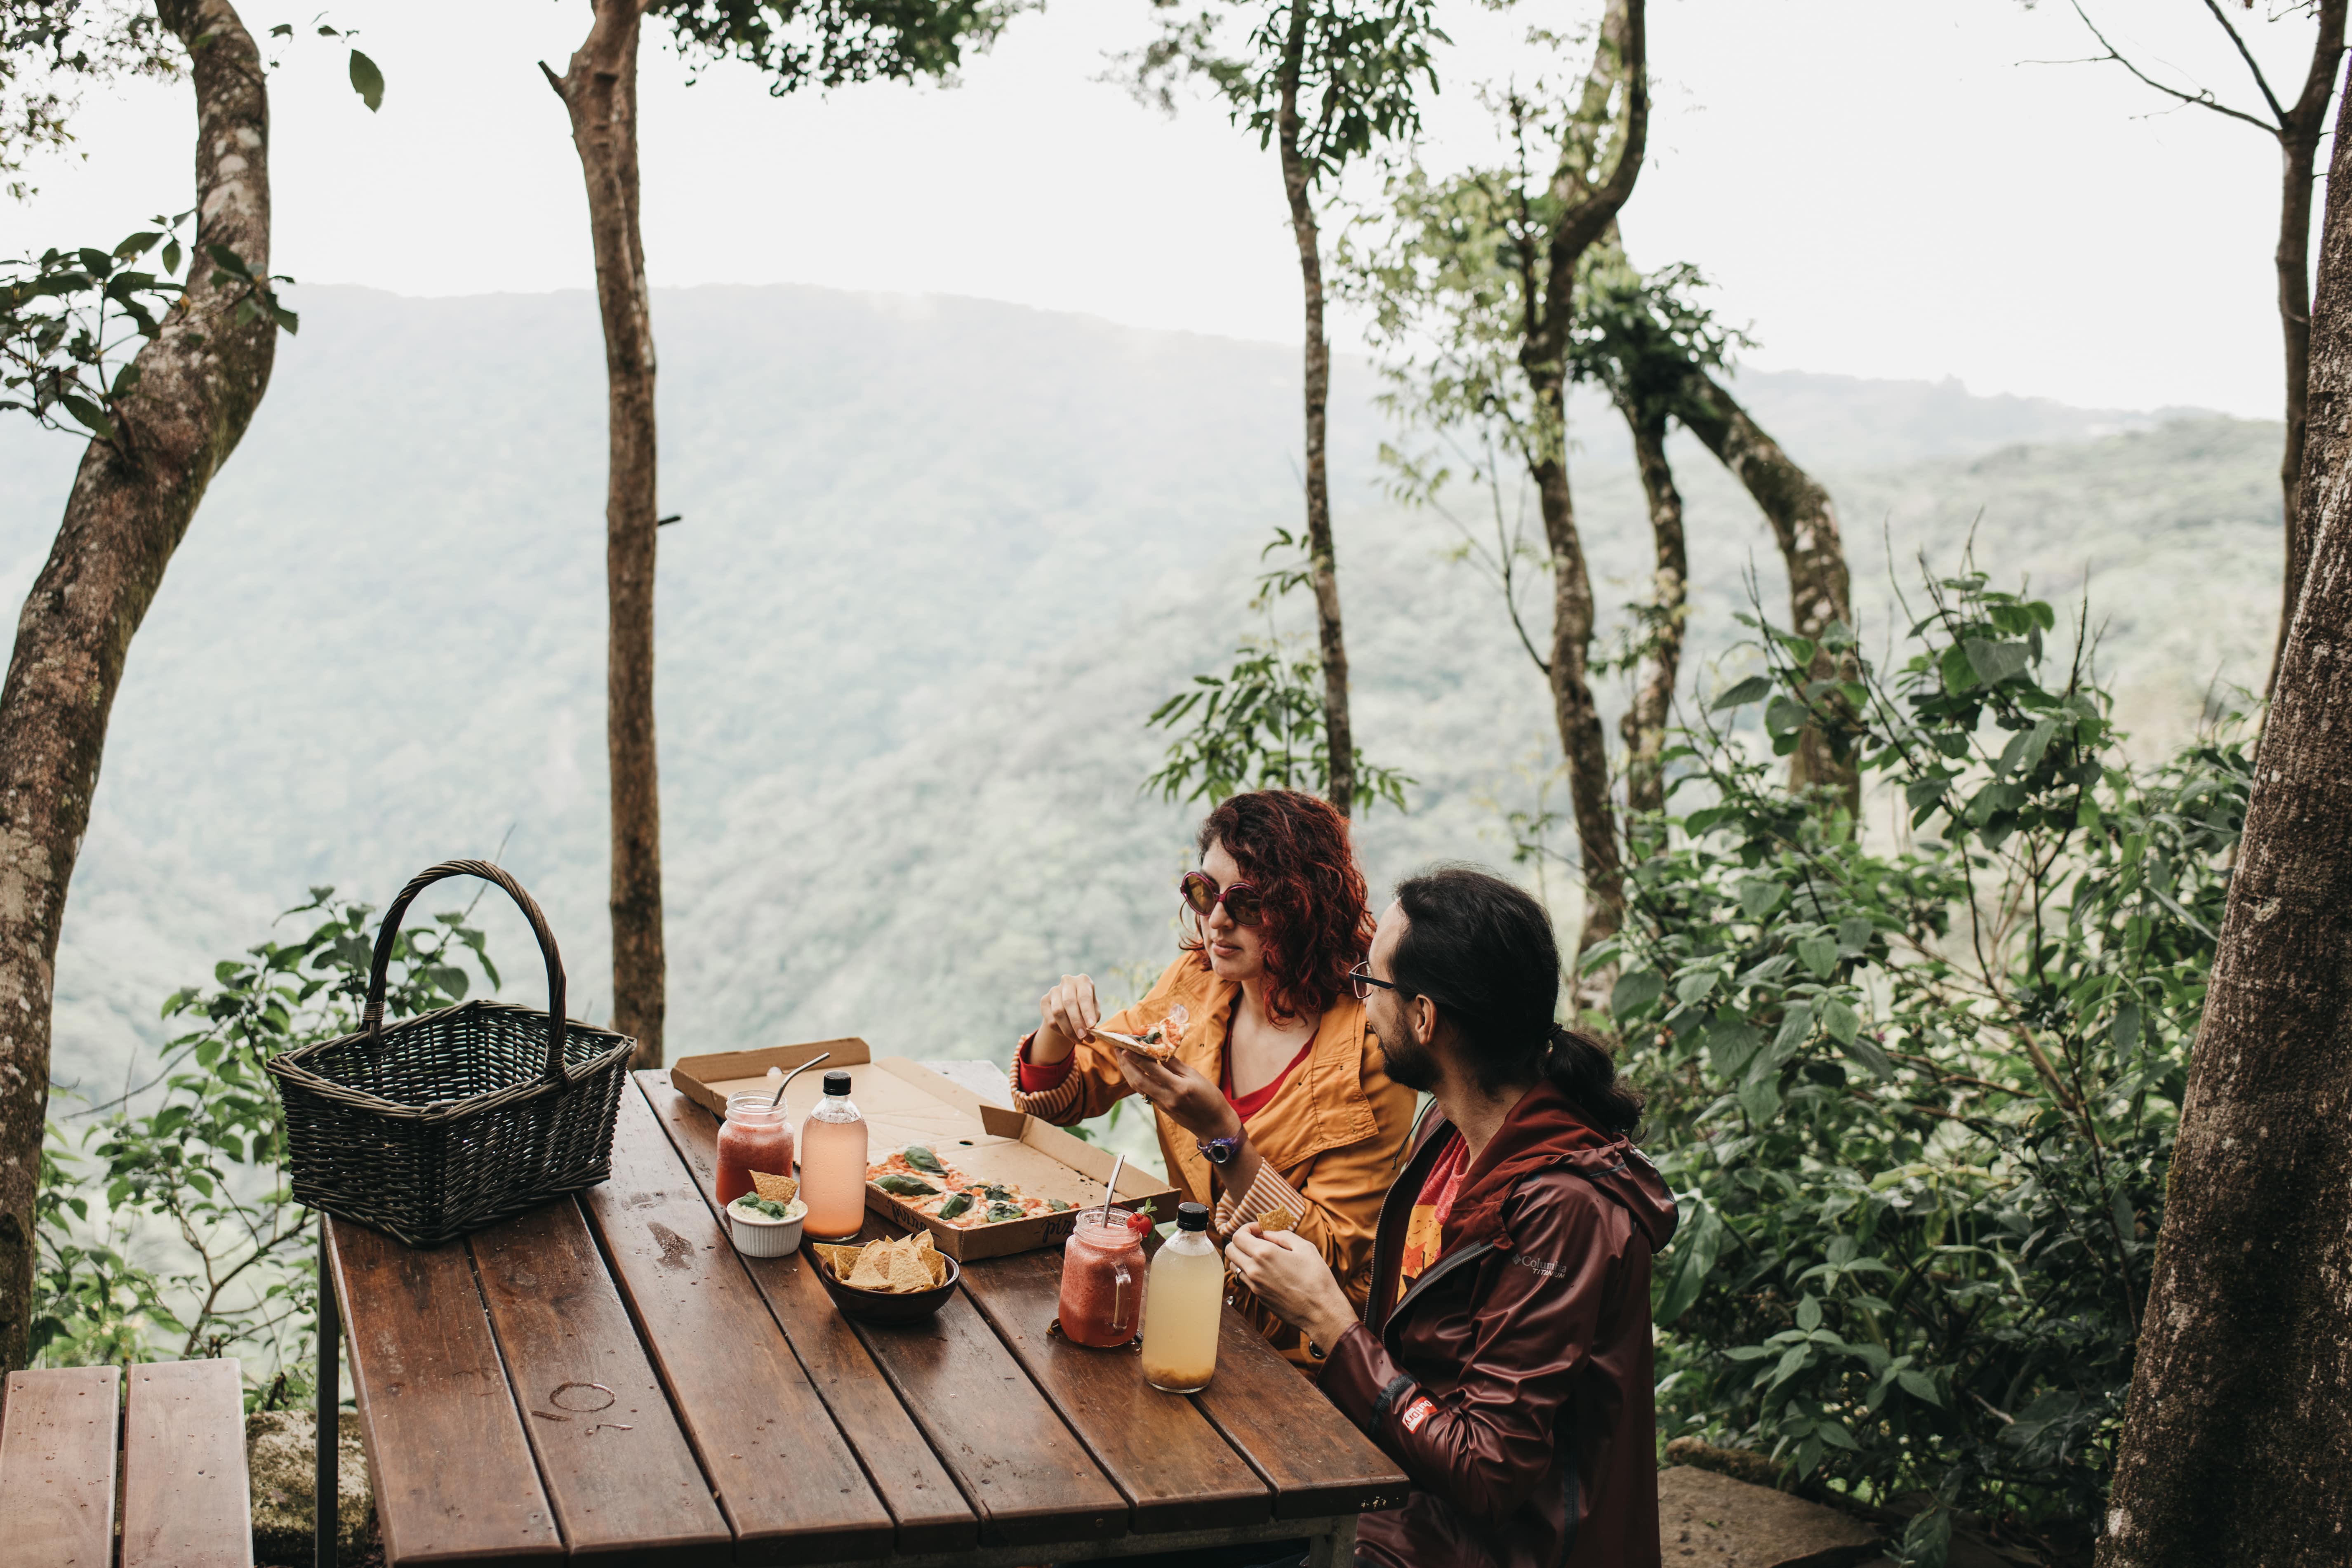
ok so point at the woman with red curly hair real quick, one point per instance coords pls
(1277, 1099)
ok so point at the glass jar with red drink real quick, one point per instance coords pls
(756, 1136)
(1102, 1280)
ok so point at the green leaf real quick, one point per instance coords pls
(1865, 1050)
(1759, 896)
(1994, 662)
(91, 417)
(1809, 1313)
(1694, 987)
(1919, 1386)
(1839, 1017)
(1760, 1100)
(1635, 989)
(367, 81)
(1819, 951)
(1747, 691)
(1785, 716)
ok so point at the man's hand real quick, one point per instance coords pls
(1191, 1100)
(1292, 1279)
(1065, 1015)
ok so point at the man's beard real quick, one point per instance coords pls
(1411, 1063)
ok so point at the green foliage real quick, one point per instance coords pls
(1261, 724)
(166, 1227)
(835, 42)
(72, 322)
(1917, 1103)
(1352, 69)
(48, 50)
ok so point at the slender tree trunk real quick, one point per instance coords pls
(1644, 724)
(2299, 132)
(2234, 1448)
(1582, 741)
(200, 382)
(1804, 522)
(600, 90)
(1338, 734)
(1589, 213)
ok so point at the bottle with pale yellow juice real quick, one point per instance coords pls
(833, 1163)
(1181, 1303)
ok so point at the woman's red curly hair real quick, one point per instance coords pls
(1295, 850)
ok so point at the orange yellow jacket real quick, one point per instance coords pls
(1331, 1139)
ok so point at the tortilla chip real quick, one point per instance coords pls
(839, 1260)
(872, 1270)
(938, 1262)
(908, 1275)
(782, 1189)
(1275, 1223)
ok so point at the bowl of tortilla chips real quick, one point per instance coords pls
(903, 1280)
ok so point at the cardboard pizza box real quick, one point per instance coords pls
(903, 1104)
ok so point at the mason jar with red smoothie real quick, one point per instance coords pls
(756, 1136)
(1102, 1280)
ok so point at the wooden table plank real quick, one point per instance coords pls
(1029, 1476)
(1177, 1469)
(789, 1484)
(931, 1512)
(1316, 1460)
(453, 1471)
(57, 1468)
(186, 1502)
(624, 1483)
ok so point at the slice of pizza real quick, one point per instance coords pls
(1158, 1042)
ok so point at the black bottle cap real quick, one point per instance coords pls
(836, 1083)
(1191, 1217)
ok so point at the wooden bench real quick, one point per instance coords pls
(175, 1447)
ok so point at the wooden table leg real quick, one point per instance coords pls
(1337, 1550)
(325, 1512)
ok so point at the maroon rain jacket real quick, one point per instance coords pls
(1513, 1379)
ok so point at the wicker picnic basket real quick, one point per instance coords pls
(435, 1126)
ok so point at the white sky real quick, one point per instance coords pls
(1880, 188)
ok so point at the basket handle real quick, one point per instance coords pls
(374, 1021)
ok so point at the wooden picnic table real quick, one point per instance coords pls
(605, 1378)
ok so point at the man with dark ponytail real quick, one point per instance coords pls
(1503, 1358)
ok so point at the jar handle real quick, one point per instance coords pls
(1121, 1280)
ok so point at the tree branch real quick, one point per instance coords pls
(2201, 99)
(2247, 55)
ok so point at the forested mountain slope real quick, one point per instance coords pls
(939, 559)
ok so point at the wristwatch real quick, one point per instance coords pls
(1221, 1152)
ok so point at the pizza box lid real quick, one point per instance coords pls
(904, 1103)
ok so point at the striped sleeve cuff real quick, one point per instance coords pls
(1051, 1104)
(1268, 1194)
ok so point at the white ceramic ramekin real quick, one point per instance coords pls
(757, 1235)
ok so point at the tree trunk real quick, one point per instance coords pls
(200, 382)
(1338, 734)
(1644, 724)
(2232, 1449)
(2299, 132)
(1804, 522)
(1581, 739)
(600, 90)
(1589, 213)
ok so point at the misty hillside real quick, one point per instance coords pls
(939, 558)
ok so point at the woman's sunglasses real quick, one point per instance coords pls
(1242, 902)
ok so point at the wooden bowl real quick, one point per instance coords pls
(885, 1308)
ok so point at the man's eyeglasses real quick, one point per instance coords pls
(1245, 903)
(1362, 979)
